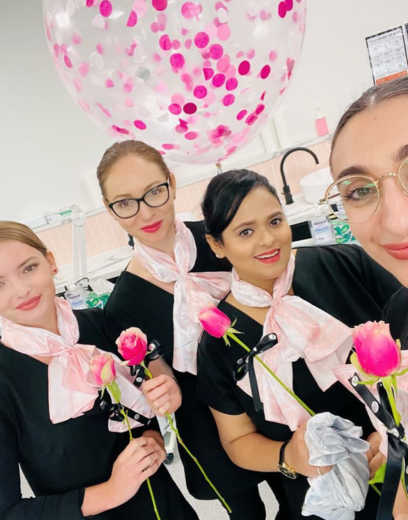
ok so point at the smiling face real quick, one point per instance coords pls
(258, 240)
(27, 288)
(132, 177)
(375, 142)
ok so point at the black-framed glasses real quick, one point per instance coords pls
(154, 198)
(355, 198)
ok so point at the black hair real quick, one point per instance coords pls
(224, 196)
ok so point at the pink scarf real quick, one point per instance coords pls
(70, 392)
(303, 331)
(192, 291)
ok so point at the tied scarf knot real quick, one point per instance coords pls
(192, 291)
(303, 331)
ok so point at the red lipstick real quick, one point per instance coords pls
(153, 227)
(29, 304)
(269, 257)
(398, 251)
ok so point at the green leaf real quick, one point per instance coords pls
(379, 475)
(115, 391)
(225, 338)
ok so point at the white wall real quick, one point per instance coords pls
(48, 145)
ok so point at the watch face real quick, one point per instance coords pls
(287, 472)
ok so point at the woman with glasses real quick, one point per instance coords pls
(172, 275)
(78, 462)
(369, 161)
(309, 301)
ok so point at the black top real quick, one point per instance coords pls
(396, 314)
(60, 460)
(341, 280)
(136, 302)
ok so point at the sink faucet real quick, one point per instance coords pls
(286, 189)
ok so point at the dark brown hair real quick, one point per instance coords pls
(371, 98)
(16, 232)
(123, 149)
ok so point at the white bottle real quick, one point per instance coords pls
(75, 296)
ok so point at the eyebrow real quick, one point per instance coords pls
(402, 153)
(129, 195)
(252, 222)
(24, 263)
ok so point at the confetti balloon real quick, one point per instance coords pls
(196, 80)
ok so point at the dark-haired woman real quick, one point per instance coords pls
(369, 162)
(171, 276)
(309, 301)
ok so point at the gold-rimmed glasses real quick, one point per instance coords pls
(355, 198)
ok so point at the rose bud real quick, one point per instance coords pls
(103, 369)
(377, 352)
(132, 345)
(214, 321)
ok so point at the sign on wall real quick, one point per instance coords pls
(388, 54)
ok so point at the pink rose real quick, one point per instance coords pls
(214, 321)
(132, 345)
(377, 352)
(103, 368)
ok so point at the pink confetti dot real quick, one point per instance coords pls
(128, 86)
(223, 32)
(188, 43)
(200, 92)
(265, 71)
(139, 124)
(177, 60)
(223, 64)
(295, 17)
(208, 73)
(191, 136)
(262, 96)
(216, 51)
(89, 3)
(165, 42)
(228, 100)
(132, 20)
(190, 9)
(105, 8)
(289, 5)
(177, 98)
(167, 146)
(282, 9)
(250, 54)
(84, 105)
(67, 62)
(120, 130)
(250, 120)
(201, 40)
(129, 102)
(241, 114)
(231, 84)
(244, 67)
(273, 55)
(154, 27)
(76, 39)
(99, 48)
(190, 108)
(259, 109)
(218, 80)
(83, 68)
(181, 129)
(160, 5)
(176, 44)
(175, 109)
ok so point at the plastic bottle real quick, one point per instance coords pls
(76, 297)
(321, 124)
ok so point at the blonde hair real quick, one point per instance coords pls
(16, 232)
(123, 149)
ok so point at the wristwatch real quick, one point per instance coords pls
(283, 467)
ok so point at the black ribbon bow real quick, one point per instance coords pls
(397, 460)
(246, 365)
(114, 411)
(154, 351)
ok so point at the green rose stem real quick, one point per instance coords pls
(290, 392)
(116, 394)
(234, 337)
(176, 432)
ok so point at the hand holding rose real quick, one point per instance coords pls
(163, 394)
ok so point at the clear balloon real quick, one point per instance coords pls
(196, 80)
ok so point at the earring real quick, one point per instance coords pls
(218, 256)
(54, 270)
